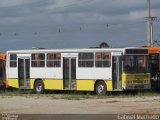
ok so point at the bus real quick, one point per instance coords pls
(92, 69)
(154, 55)
(3, 83)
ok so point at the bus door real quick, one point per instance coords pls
(117, 72)
(24, 73)
(69, 73)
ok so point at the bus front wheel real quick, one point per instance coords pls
(39, 87)
(100, 88)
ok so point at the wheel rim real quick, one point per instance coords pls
(100, 88)
(39, 88)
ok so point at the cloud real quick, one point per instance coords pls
(137, 15)
(12, 3)
(125, 19)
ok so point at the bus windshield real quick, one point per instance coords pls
(135, 64)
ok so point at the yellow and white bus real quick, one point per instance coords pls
(92, 69)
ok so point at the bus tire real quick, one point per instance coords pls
(39, 87)
(100, 88)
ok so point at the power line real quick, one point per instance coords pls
(156, 42)
(81, 27)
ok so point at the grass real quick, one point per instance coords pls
(10, 93)
(75, 95)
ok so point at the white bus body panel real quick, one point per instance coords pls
(94, 73)
(103, 73)
(12, 73)
(54, 73)
(37, 73)
(85, 73)
(69, 55)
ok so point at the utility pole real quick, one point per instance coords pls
(150, 20)
(149, 25)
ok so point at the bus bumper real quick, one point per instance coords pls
(137, 87)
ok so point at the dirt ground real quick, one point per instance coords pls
(48, 105)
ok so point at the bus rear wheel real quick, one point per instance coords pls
(100, 88)
(39, 87)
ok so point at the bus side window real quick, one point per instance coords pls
(13, 60)
(38, 60)
(86, 60)
(54, 60)
(154, 64)
(103, 59)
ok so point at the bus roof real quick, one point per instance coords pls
(155, 49)
(74, 50)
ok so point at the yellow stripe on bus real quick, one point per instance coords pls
(85, 85)
(13, 83)
(53, 84)
(109, 85)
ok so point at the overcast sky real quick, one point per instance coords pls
(75, 23)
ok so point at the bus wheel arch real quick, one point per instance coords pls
(100, 87)
(39, 86)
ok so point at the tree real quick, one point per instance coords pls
(104, 45)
